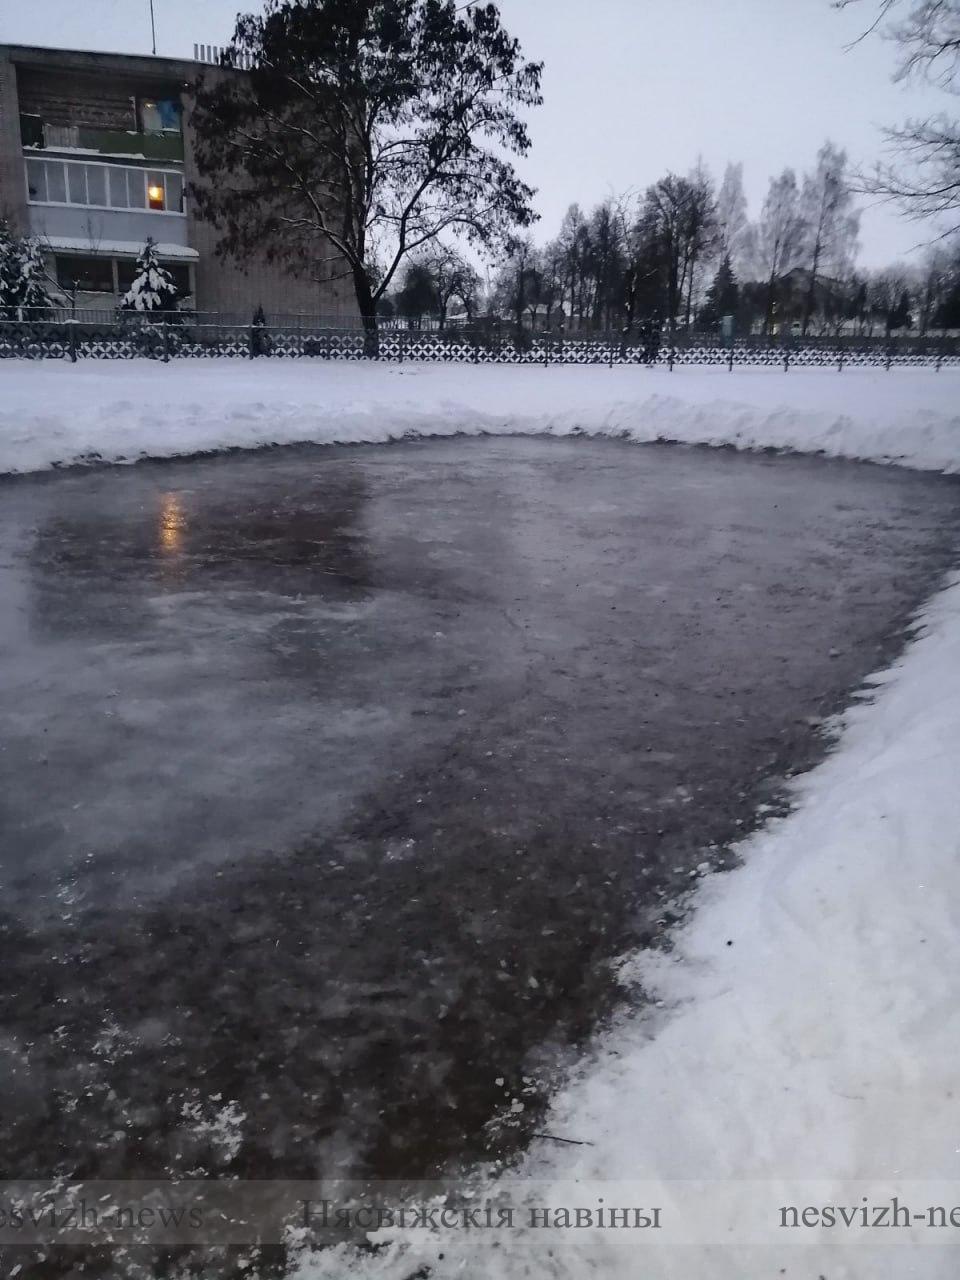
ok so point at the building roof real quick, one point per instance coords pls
(96, 62)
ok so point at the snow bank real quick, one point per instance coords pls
(54, 413)
(809, 1032)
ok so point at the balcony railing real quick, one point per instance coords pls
(105, 142)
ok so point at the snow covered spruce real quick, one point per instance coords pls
(152, 288)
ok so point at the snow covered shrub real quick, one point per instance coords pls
(33, 280)
(22, 276)
(152, 288)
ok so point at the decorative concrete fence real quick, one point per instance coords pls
(182, 338)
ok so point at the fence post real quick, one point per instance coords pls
(251, 343)
(889, 356)
(73, 344)
(166, 343)
(840, 361)
(939, 355)
(670, 358)
(786, 359)
(730, 359)
(610, 341)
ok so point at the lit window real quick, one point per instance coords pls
(156, 195)
(103, 186)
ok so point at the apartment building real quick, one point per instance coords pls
(96, 155)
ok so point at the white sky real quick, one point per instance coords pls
(631, 87)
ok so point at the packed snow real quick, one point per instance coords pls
(798, 1045)
(55, 413)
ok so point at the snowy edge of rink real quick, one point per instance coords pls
(808, 1031)
(54, 414)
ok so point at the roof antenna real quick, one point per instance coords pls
(153, 29)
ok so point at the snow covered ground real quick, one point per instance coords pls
(810, 1019)
(52, 412)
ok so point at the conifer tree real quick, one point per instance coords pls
(152, 288)
(723, 296)
(9, 272)
(32, 286)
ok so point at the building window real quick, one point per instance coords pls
(165, 192)
(104, 186)
(159, 116)
(31, 130)
(37, 181)
(85, 275)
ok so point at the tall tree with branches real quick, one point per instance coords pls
(679, 213)
(363, 131)
(924, 176)
(779, 236)
(831, 222)
(732, 221)
(453, 277)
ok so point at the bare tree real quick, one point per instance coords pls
(935, 280)
(606, 262)
(780, 235)
(517, 288)
(679, 214)
(831, 222)
(453, 277)
(924, 177)
(732, 222)
(700, 231)
(888, 299)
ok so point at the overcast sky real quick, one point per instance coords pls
(632, 88)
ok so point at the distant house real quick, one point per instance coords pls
(96, 155)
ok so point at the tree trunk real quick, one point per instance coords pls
(368, 313)
(689, 311)
(812, 289)
(768, 314)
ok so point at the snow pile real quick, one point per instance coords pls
(809, 1030)
(52, 412)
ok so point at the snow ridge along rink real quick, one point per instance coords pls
(55, 413)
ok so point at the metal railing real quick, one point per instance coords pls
(136, 336)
